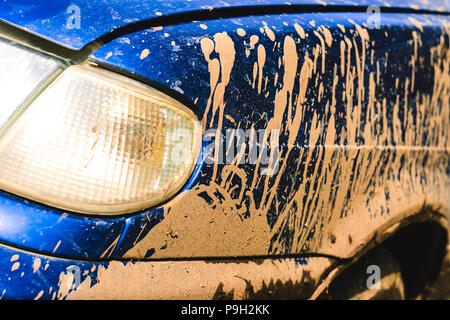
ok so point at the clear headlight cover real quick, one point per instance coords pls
(100, 143)
(22, 73)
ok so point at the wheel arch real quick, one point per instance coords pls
(420, 257)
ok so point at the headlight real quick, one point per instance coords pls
(23, 72)
(99, 143)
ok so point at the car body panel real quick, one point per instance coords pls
(97, 18)
(36, 227)
(399, 167)
(44, 229)
(24, 275)
(348, 160)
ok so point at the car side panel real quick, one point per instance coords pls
(354, 122)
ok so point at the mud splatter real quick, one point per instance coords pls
(202, 280)
(144, 54)
(36, 264)
(15, 266)
(385, 156)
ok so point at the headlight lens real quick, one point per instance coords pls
(22, 72)
(100, 143)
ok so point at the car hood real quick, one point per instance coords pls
(49, 18)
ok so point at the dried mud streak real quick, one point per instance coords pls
(201, 280)
(357, 160)
(222, 220)
(364, 170)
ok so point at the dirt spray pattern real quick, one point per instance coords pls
(371, 156)
(372, 166)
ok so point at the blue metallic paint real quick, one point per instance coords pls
(28, 276)
(48, 18)
(38, 228)
(29, 281)
(179, 45)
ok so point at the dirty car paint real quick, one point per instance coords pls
(49, 18)
(354, 122)
(49, 278)
(363, 117)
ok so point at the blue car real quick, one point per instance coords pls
(243, 149)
